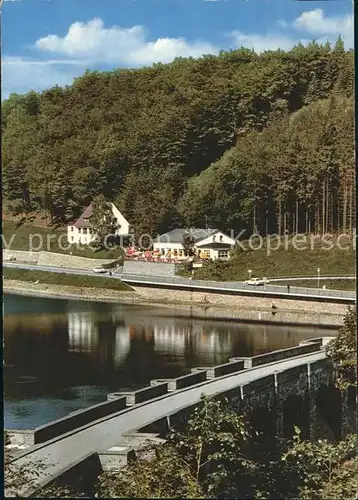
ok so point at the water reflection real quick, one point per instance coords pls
(64, 355)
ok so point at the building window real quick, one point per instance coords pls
(214, 237)
(223, 254)
(84, 230)
(79, 230)
(71, 238)
(206, 253)
(221, 238)
(71, 228)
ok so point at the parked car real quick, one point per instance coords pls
(100, 270)
(257, 281)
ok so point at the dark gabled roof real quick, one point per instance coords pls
(176, 235)
(210, 232)
(84, 219)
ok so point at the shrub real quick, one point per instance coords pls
(343, 352)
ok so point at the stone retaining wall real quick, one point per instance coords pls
(71, 261)
(54, 259)
(248, 307)
(149, 268)
(22, 256)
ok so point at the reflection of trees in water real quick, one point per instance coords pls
(253, 339)
(31, 337)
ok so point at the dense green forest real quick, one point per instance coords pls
(244, 141)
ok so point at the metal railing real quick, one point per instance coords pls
(233, 286)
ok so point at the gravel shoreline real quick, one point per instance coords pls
(68, 292)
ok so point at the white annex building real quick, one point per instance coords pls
(82, 232)
(208, 243)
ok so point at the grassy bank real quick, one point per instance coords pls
(281, 262)
(60, 279)
(49, 240)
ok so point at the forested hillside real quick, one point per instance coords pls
(241, 140)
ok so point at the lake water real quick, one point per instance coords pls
(62, 355)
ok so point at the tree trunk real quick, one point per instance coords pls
(327, 206)
(318, 228)
(306, 220)
(323, 206)
(351, 208)
(333, 221)
(266, 222)
(345, 207)
(254, 221)
(279, 217)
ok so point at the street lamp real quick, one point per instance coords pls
(318, 276)
(250, 271)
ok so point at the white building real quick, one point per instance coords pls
(208, 243)
(81, 231)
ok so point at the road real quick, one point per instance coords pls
(201, 285)
(59, 453)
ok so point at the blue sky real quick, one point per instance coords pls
(49, 42)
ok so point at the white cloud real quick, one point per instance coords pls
(260, 43)
(21, 75)
(317, 24)
(116, 45)
(313, 24)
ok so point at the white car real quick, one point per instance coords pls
(99, 270)
(257, 281)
